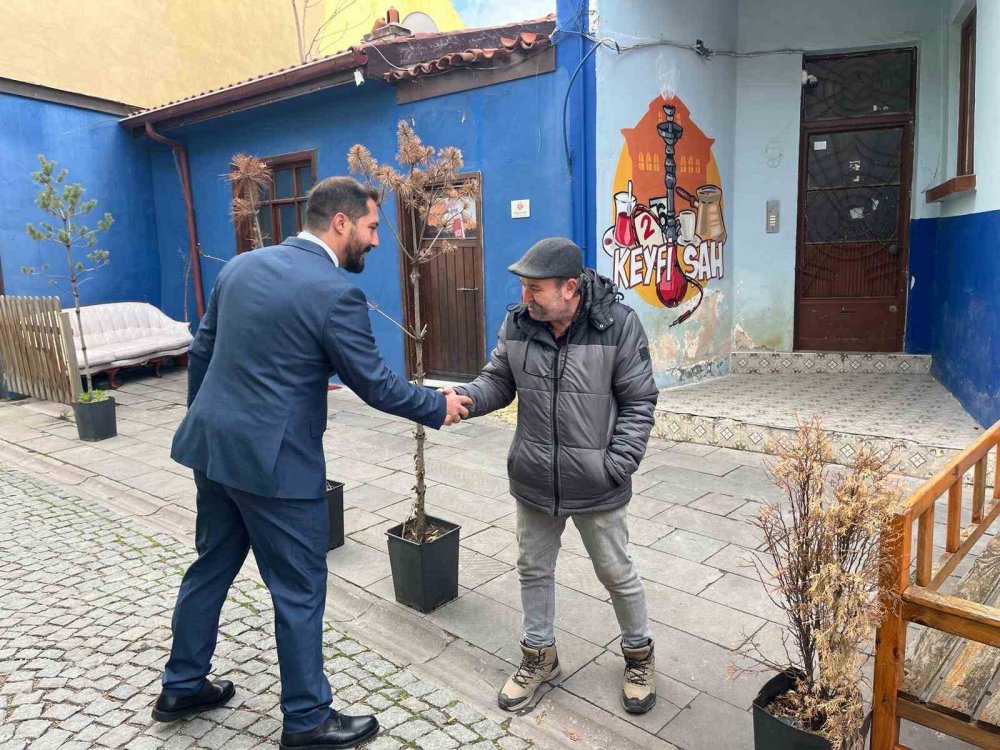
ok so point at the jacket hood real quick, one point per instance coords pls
(598, 296)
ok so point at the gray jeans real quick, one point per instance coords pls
(605, 535)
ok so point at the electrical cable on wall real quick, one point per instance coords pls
(699, 48)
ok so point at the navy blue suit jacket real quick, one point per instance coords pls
(280, 322)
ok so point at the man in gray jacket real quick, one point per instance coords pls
(578, 361)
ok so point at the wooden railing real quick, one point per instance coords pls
(916, 583)
(37, 349)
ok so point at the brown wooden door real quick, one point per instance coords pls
(451, 302)
(854, 204)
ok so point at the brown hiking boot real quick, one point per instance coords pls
(639, 687)
(538, 665)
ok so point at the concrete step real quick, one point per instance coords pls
(910, 415)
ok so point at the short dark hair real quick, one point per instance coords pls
(561, 281)
(336, 195)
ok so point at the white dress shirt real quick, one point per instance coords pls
(313, 238)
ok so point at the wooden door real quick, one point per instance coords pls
(451, 302)
(855, 170)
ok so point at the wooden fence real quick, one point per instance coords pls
(36, 347)
(944, 682)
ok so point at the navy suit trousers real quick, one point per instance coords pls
(289, 542)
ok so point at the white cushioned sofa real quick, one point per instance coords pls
(123, 334)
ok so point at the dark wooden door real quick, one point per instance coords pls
(451, 302)
(855, 171)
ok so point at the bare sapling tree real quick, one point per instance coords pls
(250, 177)
(64, 202)
(331, 28)
(431, 194)
(821, 565)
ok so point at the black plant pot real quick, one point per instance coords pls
(425, 576)
(335, 507)
(95, 420)
(773, 733)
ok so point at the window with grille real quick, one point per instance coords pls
(282, 211)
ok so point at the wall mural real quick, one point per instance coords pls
(668, 238)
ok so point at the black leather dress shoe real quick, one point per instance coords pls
(335, 733)
(212, 695)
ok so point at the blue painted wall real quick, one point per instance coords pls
(966, 309)
(510, 133)
(920, 299)
(112, 166)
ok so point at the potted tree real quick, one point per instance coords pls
(820, 564)
(95, 410)
(431, 195)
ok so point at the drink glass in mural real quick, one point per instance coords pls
(687, 219)
(709, 225)
(457, 228)
(624, 227)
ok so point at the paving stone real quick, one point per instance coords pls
(411, 730)
(87, 604)
(464, 735)
(489, 729)
(706, 619)
(436, 740)
(717, 503)
(689, 545)
(734, 559)
(384, 743)
(463, 713)
(731, 727)
(31, 729)
(746, 595)
(120, 736)
(393, 717)
(712, 525)
(52, 739)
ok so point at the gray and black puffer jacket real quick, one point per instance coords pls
(585, 410)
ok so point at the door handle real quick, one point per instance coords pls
(894, 248)
(467, 289)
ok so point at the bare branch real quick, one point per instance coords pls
(391, 319)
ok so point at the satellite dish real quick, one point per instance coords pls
(419, 23)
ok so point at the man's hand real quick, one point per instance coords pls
(456, 406)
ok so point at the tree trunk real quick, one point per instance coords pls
(79, 318)
(419, 512)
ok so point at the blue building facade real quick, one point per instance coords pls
(569, 139)
(508, 133)
(83, 136)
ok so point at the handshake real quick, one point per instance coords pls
(456, 406)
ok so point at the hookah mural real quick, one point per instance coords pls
(668, 238)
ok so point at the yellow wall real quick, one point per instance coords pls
(149, 52)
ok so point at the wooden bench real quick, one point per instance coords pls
(948, 683)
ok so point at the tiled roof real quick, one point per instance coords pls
(351, 57)
(393, 58)
(523, 42)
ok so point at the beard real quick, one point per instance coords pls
(537, 312)
(554, 311)
(354, 261)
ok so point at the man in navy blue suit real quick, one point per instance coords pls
(280, 322)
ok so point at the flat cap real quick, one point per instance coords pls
(551, 258)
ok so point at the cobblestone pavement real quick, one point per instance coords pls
(85, 604)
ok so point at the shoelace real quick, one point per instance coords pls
(636, 670)
(529, 666)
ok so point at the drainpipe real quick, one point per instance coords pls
(578, 115)
(184, 172)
